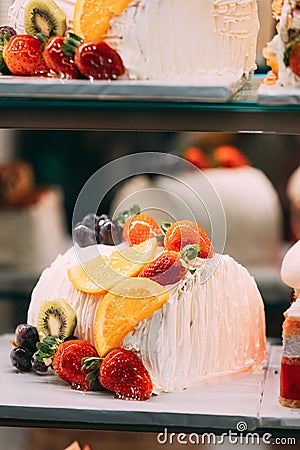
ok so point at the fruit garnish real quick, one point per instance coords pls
(67, 362)
(197, 157)
(95, 229)
(170, 267)
(102, 273)
(230, 157)
(92, 17)
(21, 359)
(27, 337)
(139, 228)
(292, 56)
(97, 60)
(118, 313)
(123, 372)
(59, 54)
(6, 33)
(22, 55)
(44, 16)
(185, 232)
(56, 318)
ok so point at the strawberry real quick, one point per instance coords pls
(67, 362)
(139, 228)
(122, 372)
(97, 60)
(185, 232)
(166, 269)
(22, 55)
(295, 59)
(229, 156)
(197, 157)
(59, 55)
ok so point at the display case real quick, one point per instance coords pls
(213, 407)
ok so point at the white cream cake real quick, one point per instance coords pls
(185, 41)
(206, 329)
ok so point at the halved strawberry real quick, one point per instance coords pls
(139, 228)
(97, 60)
(67, 362)
(295, 59)
(22, 55)
(229, 156)
(197, 157)
(185, 232)
(122, 372)
(59, 55)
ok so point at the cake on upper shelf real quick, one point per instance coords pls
(283, 52)
(165, 39)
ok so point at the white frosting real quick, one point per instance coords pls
(291, 347)
(294, 310)
(178, 39)
(205, 329)
(290, 268)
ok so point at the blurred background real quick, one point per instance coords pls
(59, 164)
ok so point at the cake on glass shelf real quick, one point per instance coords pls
(160, 305)
(25, 207)
(183, 41)
(290, 362)
(251, 204)
(283, 52)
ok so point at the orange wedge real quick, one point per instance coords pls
(92, 17)
(100, 274)
(119, 312)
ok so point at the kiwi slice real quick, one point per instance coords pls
(44, 16)
(56, 318)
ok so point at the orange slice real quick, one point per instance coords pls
(92, 17)
(100, 274)
(119, 312)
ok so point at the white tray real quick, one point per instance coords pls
(32, 87)
(277, 95)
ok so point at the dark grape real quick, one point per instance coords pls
(8, 31)
(109, 233)
(39, 366)
(21, 359)
(90, 221)
(27, 337)
(83, 235)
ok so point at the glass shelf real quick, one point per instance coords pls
(241, 114)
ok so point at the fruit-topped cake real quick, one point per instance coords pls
(184, 41)
(153, 308)
(283, 52)
(290, 362)
(251, 204)
(27, 207)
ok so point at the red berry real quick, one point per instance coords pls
(139, 228)
(67, 362)
(123, 372)
(56, 58)
(295, 59)
(229, 156)
(197, 157)
(97, 60)
(166, 269)
(23, 55)
(186, 232)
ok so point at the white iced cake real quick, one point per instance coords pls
(208, 327)
(176, 40)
